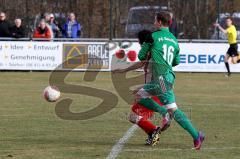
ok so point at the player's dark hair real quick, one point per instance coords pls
(145, 36)
(164, 17)
(1, 12)
(230, 18)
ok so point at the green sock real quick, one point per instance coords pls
(152, 105)
(185, 123)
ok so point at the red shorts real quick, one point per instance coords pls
(143, 111)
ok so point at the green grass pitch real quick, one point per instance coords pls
(30, 129)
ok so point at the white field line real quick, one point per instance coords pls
(117, 148)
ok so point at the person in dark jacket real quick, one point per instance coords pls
(173, 28)
(4, 26)
(71, 29)
(18, 31)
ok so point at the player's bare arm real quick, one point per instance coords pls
(220, 28)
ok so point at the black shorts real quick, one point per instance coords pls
(233, 50)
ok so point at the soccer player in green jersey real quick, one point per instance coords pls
(164, 50)
(140, 115)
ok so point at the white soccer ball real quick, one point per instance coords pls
(51, 94)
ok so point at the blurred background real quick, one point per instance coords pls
(124, 18)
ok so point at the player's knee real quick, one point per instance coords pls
(234, 60)
(134, 118)
(143, 94)
(171, 107)
(226, 58)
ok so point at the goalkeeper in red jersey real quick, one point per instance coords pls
(140, 115)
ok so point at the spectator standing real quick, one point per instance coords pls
(72, 29)
(55, 29)
(18, 31)
(43, 31)
(47, 20)
(5, 27)
(173, 28)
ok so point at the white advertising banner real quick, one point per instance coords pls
(30, 55)
(123, 54)
(194, 57)
(204, 57)
(16, 55)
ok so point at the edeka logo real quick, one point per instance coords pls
(201, 59)
(83, 56)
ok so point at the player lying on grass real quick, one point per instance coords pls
(164, 50)
(140, 115)
(232, 52)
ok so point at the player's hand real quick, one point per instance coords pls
(119, 71)
(216, 24)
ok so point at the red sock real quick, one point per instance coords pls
(146, 125)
